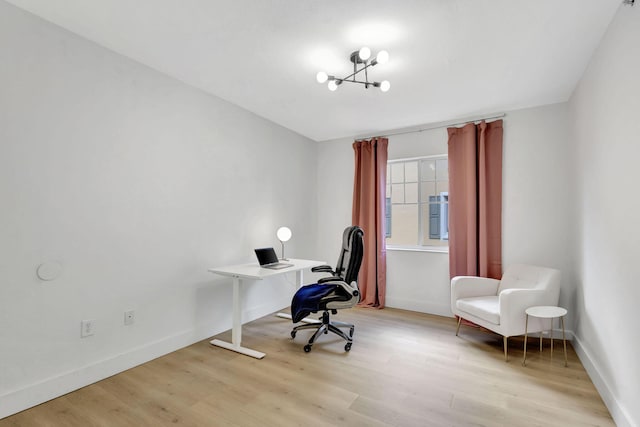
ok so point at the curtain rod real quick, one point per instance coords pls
(439, 125)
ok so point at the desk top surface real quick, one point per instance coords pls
(254, 271)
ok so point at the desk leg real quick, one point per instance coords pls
(236, 327)
(299, 282)
(236, 321)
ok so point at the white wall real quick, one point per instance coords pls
(605, 111)
(135, 184)
(537, 205)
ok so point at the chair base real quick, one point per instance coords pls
(324, 327)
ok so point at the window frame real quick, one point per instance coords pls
(420, 230)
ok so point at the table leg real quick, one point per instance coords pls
(551, 335)
(541, 341)
(526, 326)
(564, 342)
(236, 321)
(236, 327)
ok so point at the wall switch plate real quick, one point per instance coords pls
(86, 328)
(129, 317)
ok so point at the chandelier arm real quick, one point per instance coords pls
(375, 84)
(356, 72)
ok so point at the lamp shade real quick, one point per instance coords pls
(364, 53)
(321, 77)
(383, 57)
(283, 234)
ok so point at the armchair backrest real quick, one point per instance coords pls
(350, 258)
(521, 276)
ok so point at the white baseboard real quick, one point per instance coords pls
(419, 306)
(34, 394)
(617, 410)
(50, 388)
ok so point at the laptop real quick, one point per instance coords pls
(268, 259)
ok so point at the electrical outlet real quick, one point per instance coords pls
(86, 328)
(129, 317)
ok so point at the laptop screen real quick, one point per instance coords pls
(266, 256)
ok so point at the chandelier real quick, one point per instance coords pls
(359, 57)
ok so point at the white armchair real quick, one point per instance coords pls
(499, 305)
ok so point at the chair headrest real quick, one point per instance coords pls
(346, 237)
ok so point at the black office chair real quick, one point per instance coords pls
(333, 293)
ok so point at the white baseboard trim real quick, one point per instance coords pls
(50, 388)
(419, 306)
(617, 410)
(34, 394)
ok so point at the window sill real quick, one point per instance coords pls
(434, 249)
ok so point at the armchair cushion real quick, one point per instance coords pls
(487, 308)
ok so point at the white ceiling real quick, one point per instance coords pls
(448, 58)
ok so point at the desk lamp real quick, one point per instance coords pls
(284, 234)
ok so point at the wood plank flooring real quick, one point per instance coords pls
(404, 369)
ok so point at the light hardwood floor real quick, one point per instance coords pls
(405, 369)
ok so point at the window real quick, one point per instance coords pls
(417, 202)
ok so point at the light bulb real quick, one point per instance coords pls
(385, 85)
(383, 57)
(332, 85)
(364, 53)
(283, 234)
(321, 77)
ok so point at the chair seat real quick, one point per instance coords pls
(486, 307)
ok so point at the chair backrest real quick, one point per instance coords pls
(521, 276)
(350, 257)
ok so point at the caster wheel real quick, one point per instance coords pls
(307, 348)
(293, 334)
(347, 346)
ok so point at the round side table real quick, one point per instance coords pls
(545, 312)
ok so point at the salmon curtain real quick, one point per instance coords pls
(369, 190)
(475, 200)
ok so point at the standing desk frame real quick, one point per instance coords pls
(254, 272)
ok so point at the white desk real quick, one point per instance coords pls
(254, 272)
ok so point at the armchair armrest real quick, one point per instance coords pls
(472, 286)
(513, 303)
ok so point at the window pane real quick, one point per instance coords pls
(404, 223)
(411, 193)
(428, 170)
(411, 172)
(432, 225)
(427, 189)
(397, 193)
(442, 187)
(388, 177)
(397, 172)
(442, 169)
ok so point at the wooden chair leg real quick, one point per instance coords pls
(458, 328)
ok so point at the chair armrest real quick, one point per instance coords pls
(472, 286)
(322, 269)
(351, 289)
(513, 303)
(330, 279)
